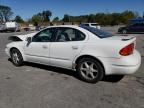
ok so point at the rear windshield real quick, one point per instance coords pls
(98, 32)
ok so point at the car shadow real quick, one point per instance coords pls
(113, 78)
(110, 78)
(53, 69)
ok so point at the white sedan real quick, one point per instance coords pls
(91, 52)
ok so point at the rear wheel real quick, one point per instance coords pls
(16, 57)
(90, 70)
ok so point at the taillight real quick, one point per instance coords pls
(128, 50)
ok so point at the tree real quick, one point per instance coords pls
(43, 16)
(66, 18)
(46, 15)
(18, 19)
(5, 13)
(103, 18)
(56, 19)
(116, 19)
(91, 18)
(100, 18)
(126, 15)
(36, 19)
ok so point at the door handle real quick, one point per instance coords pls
(45, 46)
(75, 47)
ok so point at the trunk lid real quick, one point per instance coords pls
(118, 43)
(121, 38)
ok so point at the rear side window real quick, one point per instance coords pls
(69, 34)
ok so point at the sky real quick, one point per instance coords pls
(27, 8)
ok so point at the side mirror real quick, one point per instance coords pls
(29, 39)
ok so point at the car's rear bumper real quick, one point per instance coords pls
(124, 70)
(124, 65)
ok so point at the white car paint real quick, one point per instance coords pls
(65, 54)
(23, 37)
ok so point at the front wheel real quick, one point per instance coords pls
(16, 57)
(90, 70)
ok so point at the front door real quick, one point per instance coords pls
(38, 49)
(69, 42)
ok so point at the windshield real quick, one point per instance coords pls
(98, 32)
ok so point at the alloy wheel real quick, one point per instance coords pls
(89, 70)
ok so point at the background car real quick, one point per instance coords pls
(2, 27)
(134, 28)
(94, 25)
(91, 52)
(10, 26)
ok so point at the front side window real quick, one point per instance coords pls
(69, 34)
(44, 36)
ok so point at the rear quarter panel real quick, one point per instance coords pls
(102, 48)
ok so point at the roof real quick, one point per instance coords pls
(72, 26)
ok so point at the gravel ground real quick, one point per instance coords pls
(38, 86)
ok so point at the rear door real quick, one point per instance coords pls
(69, 43)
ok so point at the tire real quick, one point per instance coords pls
(16, 57)
(124, 31)
(90, 70)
